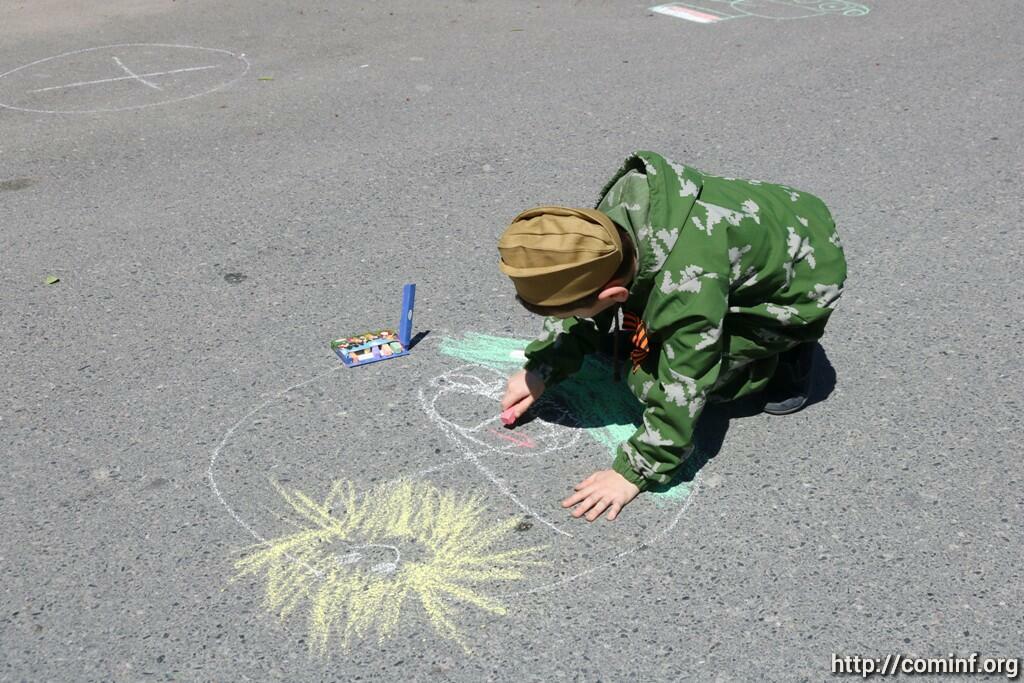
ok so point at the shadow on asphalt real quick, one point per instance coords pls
(420, 336)
(712, 426)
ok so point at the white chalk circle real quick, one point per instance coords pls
(118, 78)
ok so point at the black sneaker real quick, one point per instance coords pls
(790, 387)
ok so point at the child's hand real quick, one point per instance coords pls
(599, 492)
(523, 390)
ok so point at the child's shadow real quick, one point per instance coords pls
(591, 399)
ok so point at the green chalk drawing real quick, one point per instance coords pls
(498, 353)
(606, 409)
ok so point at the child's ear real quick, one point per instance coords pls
(614, 292)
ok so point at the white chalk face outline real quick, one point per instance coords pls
(479, 441)
(139, 75)
(489, 436)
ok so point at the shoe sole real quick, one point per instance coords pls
(786, 407)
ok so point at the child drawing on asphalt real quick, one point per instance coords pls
(724, 286)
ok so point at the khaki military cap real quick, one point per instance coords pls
(556, 255)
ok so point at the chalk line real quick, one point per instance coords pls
(522, 442)
(227, 435)
(447, 428)
(132, 74)
(649, 542)
(241, 57)
(215, 454)
(125, 78)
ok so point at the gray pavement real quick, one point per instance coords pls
(215, 216)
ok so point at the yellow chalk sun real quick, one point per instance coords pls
(357, 560)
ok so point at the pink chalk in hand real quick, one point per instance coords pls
(508, 417)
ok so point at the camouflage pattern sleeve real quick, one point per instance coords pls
(685, 316)
(560, 350)
(687, 366)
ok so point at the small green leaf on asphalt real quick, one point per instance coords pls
(52, 280)
(265, 78)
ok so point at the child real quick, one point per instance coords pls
(724, 285)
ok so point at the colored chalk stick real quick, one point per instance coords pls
(508, 417)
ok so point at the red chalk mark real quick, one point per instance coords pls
(524, 442)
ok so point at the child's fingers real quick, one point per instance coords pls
(575, 498)
(509, 399)
(614, 512)
(521, 406)
(513, 398)
(598, 509)
(589, 480)
(515, 390)
(590, 502)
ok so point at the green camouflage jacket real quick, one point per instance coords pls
(730, 273)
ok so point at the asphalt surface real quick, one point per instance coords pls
(213, 228)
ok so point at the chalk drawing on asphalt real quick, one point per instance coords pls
(120, 77)
(361, 583)
(478, 441)
(715, 11)
(607, 411)
(366, 558)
